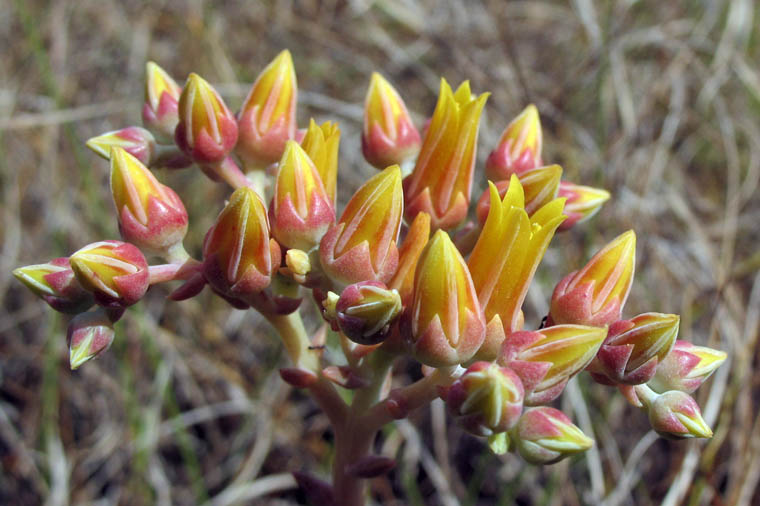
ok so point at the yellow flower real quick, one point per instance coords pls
(321, 144)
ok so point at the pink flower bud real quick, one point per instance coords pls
(361, 246)
(151, 215)
(115, 272)
(595, 295)
(366, 310)
(486, 399)
(441, 182)
(136, 141)
(54, 282)
(446, 324)
(582, 203)
(207, 130)
(267, 119)
(389, 137)
(519, 148)
(686, 367)
(161, 97)
(546, 435)
(545, 360)
(88, 335)
(239, 258)
(300, 210)
(676, 415)
(634, 348)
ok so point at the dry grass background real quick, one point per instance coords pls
(656, 101)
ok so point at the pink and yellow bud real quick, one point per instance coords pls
(115, 272)
(539, 185)
(321, 144)
(207, 130)
(414, 243)
(267, 119)
(595, 295)
(546, 435)
(486, 399)
(441, 182)
(136, 141)
(239, 258)
(505, 258)
(446, 324)
(361, 246)
(161, 102)
(365, 311)
(54, 282)
(676, 415)
(519, 147)
(301, 210)
(546, 359)
(686, 367)
(151, 215)
(634, 348)
(88, 335)
(389, 137)
(582, 203)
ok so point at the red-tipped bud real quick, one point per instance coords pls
(686, 367)
(441, 182)
(545, 360)
(366, 310)
(519, 147)
(161, 98)
(389, 137)
(676, 415)
(486, 399)
(321, 143)
(546, 435)
(582, 203)
(539, 185)
(446, 325)
(301, 210)
(207, 130)
(634, 348)
(151, 215)
(361, 246)
(595, 295)
(88, 335)
(136, 141)
(267, 119)
(54, 282)
(115, 272)
(239, 258)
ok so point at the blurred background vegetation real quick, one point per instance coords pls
(658, 102)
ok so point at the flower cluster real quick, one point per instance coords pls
(408, 268)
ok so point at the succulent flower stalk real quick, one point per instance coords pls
(54, 282)
(540, 186)
(545, 360)
(115, 272)
(446, 321)
(519, 147)
(686, 367)
(301, 210)
(151, 215)
(366, 310)
(582, 203)
(361, 246)
(505, 259)
(88, 335)
(267, 119)
(441, 182)
(321, 144)
(160, 111)
(634, 348)
(595, 294)
(389, 136)
(239, 258)
(486, 399)
(546, 435)
(207, 130)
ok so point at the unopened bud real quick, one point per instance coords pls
(88, 335)
(546, 435)
(686, 367)
(366, 310)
